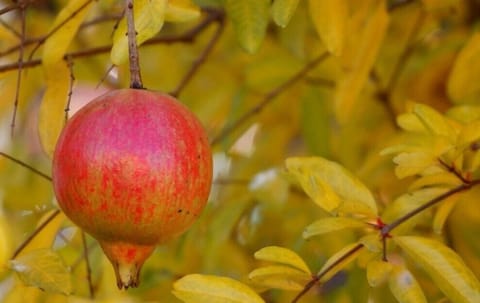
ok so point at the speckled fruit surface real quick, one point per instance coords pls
(132, 168)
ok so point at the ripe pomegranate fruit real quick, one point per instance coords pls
(132, 168)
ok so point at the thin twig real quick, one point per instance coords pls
(186, 37)
(385, 231)
(452, 169)
(35, 233)
(200, 60)
(317, 278)
(134, 60)
(11, 29)
(58, 27)
(70, 88)
(19, 72)
(88, 267)
(269, 98)
(27, 166)
(9, 8)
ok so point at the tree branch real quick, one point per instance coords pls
(133, 57)
(186, 37)
(201, 59)
(27, 166)
(319, 276)
(269, 98)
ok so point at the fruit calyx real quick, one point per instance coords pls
(127, 260)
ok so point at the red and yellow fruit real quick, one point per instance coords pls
(133, 169)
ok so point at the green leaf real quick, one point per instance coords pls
(282, 11)
(462, 83)
(378, 272)
(330, 20)
(57, 44)
(250, 20)
(405, 287)
(282, 255)
(280, 277)
(343, 257)
(444, 266)
(44, 269)
(196, 288)
(149, 16)
(330, 224)
(51, 117)
(329, 184)
(181, 11)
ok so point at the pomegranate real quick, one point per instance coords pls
(132, 168)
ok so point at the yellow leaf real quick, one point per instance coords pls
(250, 20)
(330, 20)
(378, 272)
(196, 288)
(369, 40)
(433, 121)
(372, 243)
(5, 243)
(149, 16)
(282, 11)
(443, 212)
(181, 11)
(51, 117)
(328, 183)
(462, 83)
(410, 122)
(44, 269)
(437, 179)
(279, 277)
(282, 255)
(330, 224)
(46, 237)
(57, 44)
(469, 134)
(444, 266)
(405, 287)
(339, 261)
(409, 164)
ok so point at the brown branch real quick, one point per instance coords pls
(269, 98)
(27, 166)
(319, 276)
(186, 37)
(58, 27)
(19, 72)
(88, 267)
(133, 56)
(200, 60)
(70, 88)
(35, 233)
(9, 8)
(385, 231)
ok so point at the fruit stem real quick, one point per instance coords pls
(135, 77)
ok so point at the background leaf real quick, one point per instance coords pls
(44, 269)
(197, 288)
(282, 255)
(405, 287)
(250, 20)
(282, 11)
(444, 266)
(330, 20)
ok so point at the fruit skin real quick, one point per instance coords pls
(132, 168)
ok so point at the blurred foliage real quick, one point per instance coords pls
(387, 91)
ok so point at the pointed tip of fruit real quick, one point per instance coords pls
(127, 260)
